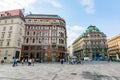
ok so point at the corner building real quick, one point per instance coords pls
(11, 34)
(44, 38)
(91, 44)
(114, 48)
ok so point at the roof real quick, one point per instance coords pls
(92, 29)
(9, 13)
(42, 16)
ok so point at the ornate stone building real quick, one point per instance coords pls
(11, 33)
(91, 44)
(44, 38)
(114, 48)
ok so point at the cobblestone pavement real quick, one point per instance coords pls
(56, 71)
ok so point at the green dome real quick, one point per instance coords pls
(92, 29)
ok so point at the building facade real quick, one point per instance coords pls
(91, 44)
(11, 33)
(70, 50)
(114, 48)
(44, 38)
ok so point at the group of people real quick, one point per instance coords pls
(24, 61)
(74, 61)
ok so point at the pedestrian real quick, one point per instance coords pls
(29, 62)
(22, 62)
(78, 61)
(14, 62)
(26, 61)
(61, 60)
(33, 61)
(2, 61)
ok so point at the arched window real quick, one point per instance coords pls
(27, 40)
(40, 40)
(27, 32)
(33, 41)
(34, 33)
(40, 33)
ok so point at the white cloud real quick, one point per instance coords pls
(54, 3)
(89, 5)
(28, 5)
(73, 33)
(16, 4)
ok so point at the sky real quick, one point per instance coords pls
(78, 14)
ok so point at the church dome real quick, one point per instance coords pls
(92, 29)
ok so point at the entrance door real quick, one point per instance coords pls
(17, 53)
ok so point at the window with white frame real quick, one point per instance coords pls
(40, 33)
(34, 33)
(40, 40)
(28, 27)
(46, 41)
(54, 33)
(53, 27)
(46, 33)
(33, 40)
(53, 40)
(27, 40)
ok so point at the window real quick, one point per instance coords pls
(47, 27)
(18, 43)
(61, 41)
(46, 40)
(47, 22)
(40, 33)
(11, 21)
(1, 43)
(27, 40)
(8, 43)
(2, 35)
(33, 41)
(9, 35)
(27, 32)
(46, 33)
(40, 40)
(53, 27)
(28, 27)
(61, 34)
(10, 27)
(41, 27)
(41, 21)
(53, 33)
(35, 21)
(5, 21)
(53, 40)
(34, 33)
(4, 28)
(29, 21)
